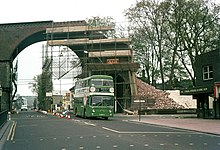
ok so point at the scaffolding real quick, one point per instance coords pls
(97, 50)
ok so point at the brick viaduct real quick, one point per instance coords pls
(14, 37)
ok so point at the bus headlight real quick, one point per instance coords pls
(111, 90)
(92, 89)
(93, 110)
(110, 111)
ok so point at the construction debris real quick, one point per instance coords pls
(152, 98)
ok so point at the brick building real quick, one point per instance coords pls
(207, 85)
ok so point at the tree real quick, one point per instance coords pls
(105, 21)
(42, 84)
(198, 33)
(119, 30)
(175, 32)
(148, 24)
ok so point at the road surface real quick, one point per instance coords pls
(35, 131)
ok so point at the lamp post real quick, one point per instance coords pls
(60, 55)
(139, 118)
(85, 62)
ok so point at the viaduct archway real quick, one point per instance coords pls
(14, 37)
(103, 55)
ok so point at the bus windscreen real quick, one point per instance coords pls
(102, 101)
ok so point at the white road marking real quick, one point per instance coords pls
(173, 128)
(91, 124)
(110, 130)
(115, 131)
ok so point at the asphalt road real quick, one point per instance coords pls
(35, 131)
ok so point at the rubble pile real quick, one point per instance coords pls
(161, 100)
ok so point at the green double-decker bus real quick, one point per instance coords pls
(94, 97)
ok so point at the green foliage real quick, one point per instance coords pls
(168, 35)
(107, 21)
(42, 84)
(98, 21)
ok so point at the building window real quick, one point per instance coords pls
(207, 73)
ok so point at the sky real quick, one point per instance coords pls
(30, 59)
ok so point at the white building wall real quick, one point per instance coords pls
(186, 100)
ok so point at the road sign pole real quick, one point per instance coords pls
(0, 98)
(139, 118)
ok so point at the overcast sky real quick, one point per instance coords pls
(29, 60)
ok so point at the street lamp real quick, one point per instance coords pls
(85, 62)
(60, 55)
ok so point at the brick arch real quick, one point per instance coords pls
(17, 36)
(34, 38)
(14, 37)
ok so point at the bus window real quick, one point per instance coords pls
(107, 83)
(102, 101)
(96, 82)
(108, 101)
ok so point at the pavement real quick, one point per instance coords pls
(3, 132)
(209, 126)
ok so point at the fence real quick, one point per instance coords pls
(3, 117)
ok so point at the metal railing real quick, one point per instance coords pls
(3, 117)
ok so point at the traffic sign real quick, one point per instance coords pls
(139, 101)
